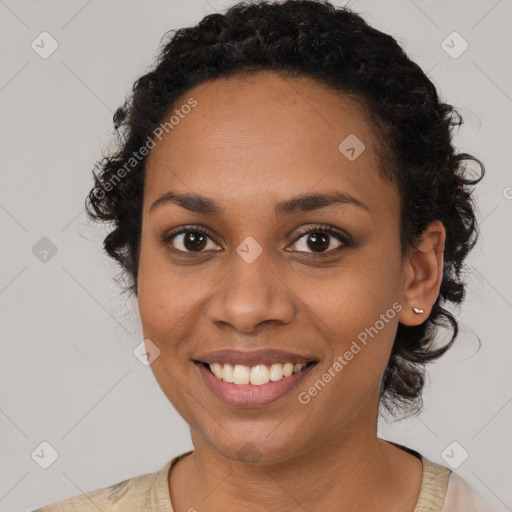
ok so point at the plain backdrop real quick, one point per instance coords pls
(68, 376)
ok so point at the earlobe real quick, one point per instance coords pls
(423, 275)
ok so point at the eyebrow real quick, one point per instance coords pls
(299, 204)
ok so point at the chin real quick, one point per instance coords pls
(265, 448)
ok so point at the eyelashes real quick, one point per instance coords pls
(345, 240)
(185, 230)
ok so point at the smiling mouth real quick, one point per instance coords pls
(256, 375)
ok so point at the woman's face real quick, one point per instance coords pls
(257, 281)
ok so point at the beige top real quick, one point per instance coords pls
(441, 491)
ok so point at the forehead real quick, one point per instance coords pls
(260, 136)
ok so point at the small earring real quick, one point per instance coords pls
(417, 310)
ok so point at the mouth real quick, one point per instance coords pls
(252, 379)
(256, 375)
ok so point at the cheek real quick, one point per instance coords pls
(354, 295)
(165, 308)
(157, 293)
(355, 323)
(356, 315)
(169, 300)
(357, 330)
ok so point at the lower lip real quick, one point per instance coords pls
(250, 395)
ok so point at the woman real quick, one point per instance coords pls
(292, 216)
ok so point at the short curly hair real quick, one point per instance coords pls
(335, 47)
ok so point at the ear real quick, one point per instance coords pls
(423, 274)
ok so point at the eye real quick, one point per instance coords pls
(320, 240)
(189, 240)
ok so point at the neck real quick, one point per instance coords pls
(356, 472)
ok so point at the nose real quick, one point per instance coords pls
(251, 295)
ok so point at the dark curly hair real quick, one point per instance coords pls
(337, 48)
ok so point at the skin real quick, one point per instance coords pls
(249, 143)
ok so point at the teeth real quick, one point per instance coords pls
(287, 369)
(227, 373)
(276, 372)
(216, 368)
(241, 374)
(260, 375)
(256, 375)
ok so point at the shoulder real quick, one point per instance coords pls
(461, 496)
(434, 483)
(443, 490)
(138, 493)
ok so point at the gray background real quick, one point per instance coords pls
(68, 374)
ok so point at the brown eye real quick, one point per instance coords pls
(189, 241)
(318, 241)
(321, 240)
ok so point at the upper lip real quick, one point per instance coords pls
(253, 357)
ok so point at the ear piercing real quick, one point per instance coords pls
(417, 310)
